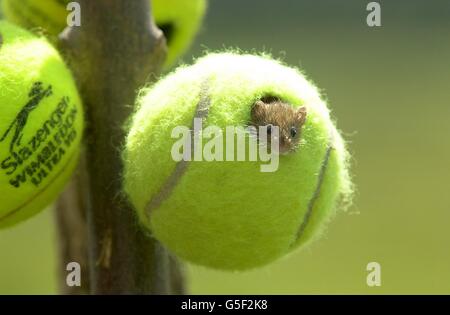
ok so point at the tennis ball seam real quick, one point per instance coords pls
(63, 169)
(201, 112)
(317, 190)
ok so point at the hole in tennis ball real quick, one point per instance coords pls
(268, 99)
(168, 30)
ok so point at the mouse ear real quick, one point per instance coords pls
(258, 110)
(301, 115)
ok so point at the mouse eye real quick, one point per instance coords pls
(293, 132)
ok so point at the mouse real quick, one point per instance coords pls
(272, 111)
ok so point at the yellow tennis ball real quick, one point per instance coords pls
(50, 15)
(180, 20)
(41, 124)
(217, 210)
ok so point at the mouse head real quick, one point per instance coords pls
(270, 111)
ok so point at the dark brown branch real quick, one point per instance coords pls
(115, 51)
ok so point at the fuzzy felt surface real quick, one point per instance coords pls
(230, 215)
(41, 124)
(180, 18)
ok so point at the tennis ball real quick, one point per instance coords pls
(230, 214)
(180, 20)
(41, 123)
(51, 15)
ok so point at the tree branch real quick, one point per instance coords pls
(115, 51)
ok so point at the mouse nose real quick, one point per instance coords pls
(286, 140)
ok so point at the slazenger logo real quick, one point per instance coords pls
(33, 159)
(36, 95)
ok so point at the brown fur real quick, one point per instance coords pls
(272, 111)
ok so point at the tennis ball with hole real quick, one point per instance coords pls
(180, 20)
(229, 214)
(41, 123)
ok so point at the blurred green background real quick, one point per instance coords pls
(389, 91)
